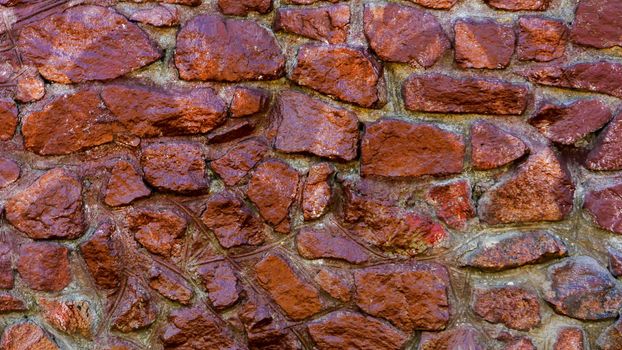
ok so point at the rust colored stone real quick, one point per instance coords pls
(44, 266)
(611, 337)
(9, 171)
(518, 343)
(30, 86)
(175, 166)
(221, 283)
(541, 39)
(136, 309)
(519, 5)
(317, 191)
(7, 278)
(492, 147)
(436, 4)
(483, 44)
(327, 23)
(8, 119)
(607, 152)
(325, 241)
(333, 284)
(248, 101)
(11, 303)
(195, 328)
(244, 7)
(157, 229)
(263, 329)
(570, 338)
(615, 261)
(231, 130)
(125, 185)
(159, 16)
(461, 337)
(102, 257)
(26, 336)
(239, 160)
(515, 307)
(73, 317)
(603, 205)
(170, 285)
(594, 24)
(452, 203)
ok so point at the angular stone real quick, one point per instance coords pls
(541, 39)
(51, 207)
(580, 288)
(239, 160)
(317, 191)
(570, 338)
(483, 44)
(175, 166)
(567, 124)
(298, 298)
(615, 261)
(541, 189)
(204, 50)
(44, 266)
(170, 285)
(611, 337)
(519, 5)
(125, 185)
(334, 284)
(515, 307)
(8, 119)
(86, 43)
(233, 129)
(221, 283)
(605, 206)
(136, 310)
(263, 329)
(436, 4)
(309, 125)
(607, 152)
(11, 303)
(73, 317)
(159, 16)
(7, 279)
(157, 229)
(26, 336)
(324, 241)
(68, 124)
(195, 328)
(452, 203)
(461, 337)
(397, 148)
(404, 34)
(439, 93)
(513, 250)
(347, 73)
(516, 342)
(9, 171)
(248, 101)
(412, 296)
(492, 147)
(102, 257)
(244, 7)
(595, 25)
(351, 330)
(327, 23)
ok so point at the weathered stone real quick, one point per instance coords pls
(516, 342)
(7, 278)
(204, 50)
(492, 147)
(515, 307)
(232, 129)
(607, 152)
(327, 23)
(351, 330)
(317, 191)
(324, 241)
(309, 125)
(244, 7)
(175, 166)
(334, 284)
(157, 229)
(611, 337)
(136, 309)
(594, 24)
(519, 5)
(452, 203)
(615, 261)
(412, 296)
(30, 86)
(580, 288)
(221, 283)
(11, 303)
(541, 189)
(567, 124)
(125, 185)
(248, 101)
(436, 4)
(570, 338)
(483, 44)
(73, 317)
(297, 297)
(158, 16)
(102, 257)
(44, 266)
(307, 2)
(195, 328)
(514, 250)
(263, 330)
(26, 336)
(239, 160)
(439, 93)
(51, 207)
(8, 119)
(541, 39)
(9, 171)
(180, 2)
(461, 337)
(85, 43)
(605, 206)
(170, 285)
(397, 148)
(349, 74)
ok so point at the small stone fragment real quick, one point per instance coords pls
(461, 337)
(515, 307)
(519, 5)
(541, 39)
(317, 191)
(321, 242)
(175, 166)
(195, 328)
(333, 284)
(605, 207)
(248, 101)
(594, 24)
(239, 160)
(615, 261)
(483, 44)
(9, 171)
(11, 303)
(328, 23)
(44, 266)
(570, 338)
(30, 86)
(125, 185)
(157, 229)
(102, 257)
(492, 147)
(607, 152)
(73, 317)
(8, 119)
(221, 283)
(136, 310)
(452, 203)
(611, 337)
(159, 16)
(244, 7)
(26, 336)
(170, 285)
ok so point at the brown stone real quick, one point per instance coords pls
(603, 205)
(309, 125)
(85, 43)
(158, 16)
(175, 166)
(221, 283)
(519, 5)
(263, 329)
(136, 309)
(439, 93)
(607, 152)
(51, 207)
(347, 73)
(239, 160)
(483, 44)
(195, 328)
(404, 34)
(541, 189)
(567, 124)
(317, 191)
(570, 338)
(73, 317)
(9, 171)
(611, 337)
(517, 343)
(26, 336)
(44, 266)
(7, 278)
(325, 241)
(397, 148)
(541, 39)
(248, 101)
(461, 337)
(157, 229)
(244, 7)
(232, 129)
(594, 24)
(452, 203)
(580, 288)
(492, 147)
(327, 23)
(436, 4)
(11, 303)
(30, 86)
(334, 284)
(515, 307)
(170, 285)
(8, 119)
(615, 261)
(513, 250)
(204, 50)
(125, 185)
(297, 297)
(412, 296)
(102, 257)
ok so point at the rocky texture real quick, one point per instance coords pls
(125, 185)
(515, 307)
(26, 335)
(244, 7)
(452, 202)
(492, 147)
(44, 266)
(239, 160)
(8, 119)
(159, 16)
(604, 206)
(329, 23)
(615, 261)
(606, 154)
(570, 338)
(594, 25)
(9, 171)
(248, 101)
(7, 278)
(541, 39)
(69, 316)
(519, 5)
(157, 229)
(170, 285)
(175, 166)
(461, 337)
(136, 309)
(195, 328)
(102, 257)
(10, 303)
(334, 284)
(483, 44)
(611, 337)
(221, 283)
(328, 242)
(317, 191)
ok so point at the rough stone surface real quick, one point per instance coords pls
(9, 171)
(570, 338)
(44, 266)
(11, 303)
(334, 284)
(157, 229)
(611, 337)
(136, 309)
(159, 16)
(8, 119)
(195, 328)
(101, 255)
(221, 283)
(170, 285)
(453, 203)
(483, 44)
(326, 242)
(175, 166)
(461, 337)
(239, 160)
(436, 4)
(492, 147)
(7, 277)
(541, 39)
(519, 5)
(515, 307)
(317, 191)
(606, 154)
(125, 185)
(594, 25)
(244, 7)
(615, 261)
(248, 101)
(69, 316)
(26, 335)
(328, 23)
(604, 206)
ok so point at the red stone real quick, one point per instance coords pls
(461, 337)
(611, 337)
(436, 4)
(195, 328)
(136, 309)
(175, 166)
(221, 283)
(439, 93)
(51, 207)
(334, 284)
(8, 119)
(607, 152)
(483, 44)
(239, 160)
(541, 39)
(170, 285)
(347, 73)
(570, 338)
(452, 203)
(518, 343)
(244, 7)
(615, 261)
(317, 191)
(7, 279)
(397, 148)
(204, 50)
(309, 125)
(232, 129)
(604, 206)
(9, 171)
(327, 23)
(26, 336)
(44, 266)
(492, 147)
(595, 25)
(567, 124)
(85, 43)
(248, 101)
(515, 307)
(159, 16)
(11, 303)
(73, 317)
(30, 86)
(325, 241)
(519, 5)
(102, 257)
(263, 329)
(125, 185)
(157, 229)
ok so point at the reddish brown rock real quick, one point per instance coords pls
(248, 101)
(157, 229)
(30, 86)
(513, 250)
(263, 329)
(11, 303)
(397, 148)
(70, 123)
(298, 298)
(604, 206)
(8, 119)
(9, 171)
(317, 191)
(102, 257)
(404, 34)
(158, 16)
(412, 296)
(239, 160)
(325, 241)
(607, 152)
(515, 307)
(221, 283)
(516, 342)
(73, 317)
(541, 189)
(7, 279)
(594, 24)
(195, 328)
(492, 147)
(327, 23)
(204, 50)
(483, 44)
(567, 124)
(436, 4)
(570, 338)
(461, 337)
(334, 284)
(309, 125)
(541, 39)
(26, 336)
(452, 203)
(85, 43)
(615, 261)
(125, 185)
(175, 166)
(232, 129)
(439, 93)
(136, 309)
(44, 266)
(244, 7)
(350, 330)
(519, 5)
(611, 337)
(580, 288)
(233, 222)
(51, 207)
(272, 188)
(347, 73)
(170, 285)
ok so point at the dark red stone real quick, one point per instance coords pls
(159, 16)
(7, 278)
(170, 285)
(44, 266)
(483, 44)
(195, 328)
(461, 337)
(11, 303)
(604, 206)
(492, 147)
(157, 229)
(615, 261)
(233, 129)
(221, 283)
(328, 23)
(125, 185)
(26, 335)
(73, 317)
(515, 307)
(595, 25)
(519, 5)
(436, 4)
(541, 39)
(248, 101)
(326, 241)
(244, 7)
(8, 119)
(9, 171)
(263, 329)
(452, 203)
(607, 152)
(239, 160)
(136, 309)
(334, 284)
(175, 166)
(517, 342)
(317, 191)
(570, 338)
(611, 337)
(102, 257)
